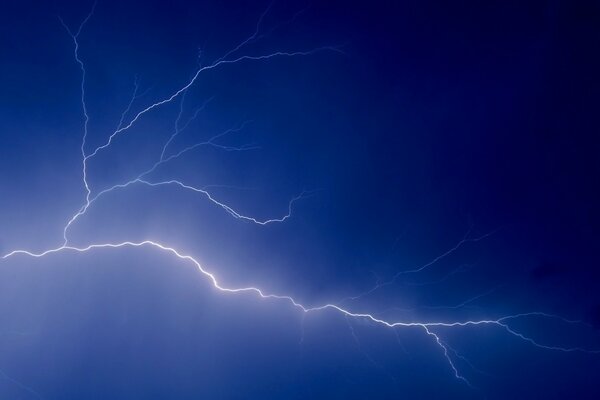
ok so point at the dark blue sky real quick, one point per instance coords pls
(437, 120)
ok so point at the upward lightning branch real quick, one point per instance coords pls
(433, 329)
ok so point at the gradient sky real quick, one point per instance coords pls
(435, 121)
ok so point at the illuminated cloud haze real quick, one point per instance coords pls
(299, 200)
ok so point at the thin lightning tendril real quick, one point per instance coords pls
(24, 387)
(379, 284)
(431, 328)
(75, 37)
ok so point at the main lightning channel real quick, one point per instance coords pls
(431, 328)
(501, 322)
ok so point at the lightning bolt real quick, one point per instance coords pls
(432, 329)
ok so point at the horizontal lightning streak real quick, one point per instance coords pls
(431, 328)
(251, 289)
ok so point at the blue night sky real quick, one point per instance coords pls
(423, 173)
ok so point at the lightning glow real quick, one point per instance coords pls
(432, 328)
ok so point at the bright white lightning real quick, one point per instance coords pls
(431, 328)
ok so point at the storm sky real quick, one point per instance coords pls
(454, 138)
